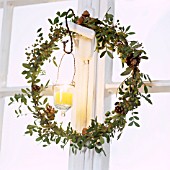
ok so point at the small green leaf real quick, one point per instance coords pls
(39, 30)
(39, 138)
(31, 126)
(74, 140)
(137, 53)
(56, 20)
(101, 140)
(63, 14)
(144, 57)
(45, 100)
(131, 118)
(46, 140)
(57, 140)
(23, 100)
(149, 78)
(58, 13)
(11, 99)
(145, 89)
(148, 95)
(110, 54)
(29, 109)
(136, 117)
(24, 91)
(50, 21)
(144, 76)
(130, 124)
(16, 112)
(127, 71)
(118, 137)
(40, 35)
(24, 72)
(91, 146)
(107, 114)
(136, 124)
(46, 85)
(70, 15)
(54, 62)
(127, 29)
(37, 80)
(132, 43)
(140, 84)
(26, 65)
(137, 45)
(98, 150)
(27, 132)
(147, 99)
(10, 103)
(102, 54)
(131, 33)
(108, 138)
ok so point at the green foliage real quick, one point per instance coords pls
(127, 71)
(133, 119)
(110, 38)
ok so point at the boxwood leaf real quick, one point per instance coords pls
(57, 140)
(136, 124)
(102, 54)
(130, 124)
(145, 89)
(101, 140)
(127, 71)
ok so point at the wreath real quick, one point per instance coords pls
(110, 38)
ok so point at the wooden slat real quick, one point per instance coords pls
(28, 2)
(10, 91)
(161, 86)
(157, 86)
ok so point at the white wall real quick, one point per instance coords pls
(146, 147)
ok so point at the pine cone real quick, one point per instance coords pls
(84, 131)
(80, 20)
(86, 14)
(35, 88)
(119, 110)
(50, 112)
(132, 62)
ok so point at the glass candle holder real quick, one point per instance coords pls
(63, 97)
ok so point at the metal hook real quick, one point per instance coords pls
(69, 32)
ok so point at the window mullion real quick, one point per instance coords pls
(4, 54)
